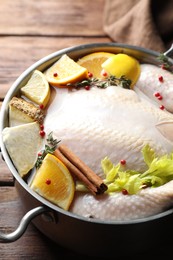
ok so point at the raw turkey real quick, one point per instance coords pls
(117, 123)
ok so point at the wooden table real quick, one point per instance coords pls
(29, 30)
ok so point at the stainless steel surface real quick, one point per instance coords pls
(169, 52)
(11, 237)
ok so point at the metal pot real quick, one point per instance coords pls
(87, 236)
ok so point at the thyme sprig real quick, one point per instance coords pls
(103, 83)
(165, 62)
(50, 147)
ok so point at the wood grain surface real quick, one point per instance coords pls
(30, 30)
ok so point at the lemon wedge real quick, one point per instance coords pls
(92, 62)
(23, 143)
(54, 182)
(65, 71)
(37, 89)
(123, 65)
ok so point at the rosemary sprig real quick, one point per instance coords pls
(165, 62)
(104, 83)
(50, 147)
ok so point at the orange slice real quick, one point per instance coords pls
(54, 182)
(92, 62)
(65, 71)
(123, 65)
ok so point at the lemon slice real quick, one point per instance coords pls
(23, 143)
(123, 65)
(92, 62)
(37, 88)
(65, 71)
(54, 182)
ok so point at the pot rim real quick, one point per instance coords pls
(143, 53)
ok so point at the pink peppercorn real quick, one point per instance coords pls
(41, 127)
(157, 94)
(87, 87)
(163, 67)
(42, 133)
(162, 107)
(123, 162)
(48, 182)
(104, 73)
(41, 106)
(160, 97)
(160, 78)
(90, 75)
(55, 74)
(124, 192)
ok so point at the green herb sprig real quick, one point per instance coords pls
(165, 62)
(109, 81)
(50, 147)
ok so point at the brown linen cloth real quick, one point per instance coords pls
(145, 23)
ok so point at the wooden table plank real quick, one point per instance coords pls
(53, 17)
(6, 177)
(18, 53)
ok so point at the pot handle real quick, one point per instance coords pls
(169, 52)
(7, 238)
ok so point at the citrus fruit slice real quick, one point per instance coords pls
(23, 112)
(123, 65)
(92, 62)
(65, 71)
(54, 182)
(23, 143)
(17, 117)
(37, 88)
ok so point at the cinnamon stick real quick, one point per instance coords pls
(77, 167)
